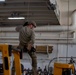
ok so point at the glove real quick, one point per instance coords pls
(33, 49)
(29, 46)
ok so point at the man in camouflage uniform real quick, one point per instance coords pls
(26, 41)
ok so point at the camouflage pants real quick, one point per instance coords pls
(34, 62)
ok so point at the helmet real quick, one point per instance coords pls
(30, 22)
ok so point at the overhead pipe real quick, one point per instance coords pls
(41, 28)
(53, 28)
(40, 42)
(39, 37)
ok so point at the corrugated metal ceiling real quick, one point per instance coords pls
(37, 10)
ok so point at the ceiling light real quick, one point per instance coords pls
(15, 15)
(2, 0)
(11, 18)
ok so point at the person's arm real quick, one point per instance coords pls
(32, 37)
(31, 42)
(18, 28)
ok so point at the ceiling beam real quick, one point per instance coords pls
(8, 1)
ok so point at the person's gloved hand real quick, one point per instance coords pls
(33, 49)
(29, 46)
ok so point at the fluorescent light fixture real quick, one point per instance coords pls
(16, 18)
(2, 0)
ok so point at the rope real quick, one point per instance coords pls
(28, 20)
(28, 10)
(67, 33)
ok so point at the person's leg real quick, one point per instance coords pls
(34, 62)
